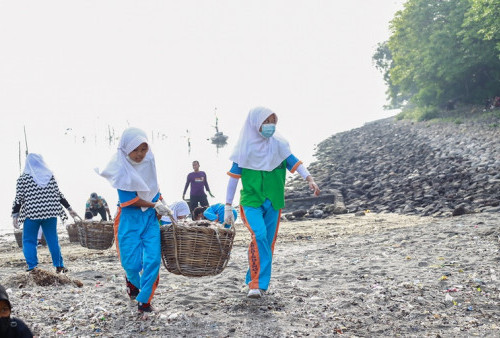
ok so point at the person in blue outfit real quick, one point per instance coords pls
(214, 213)
(260, 158)
(132, 171)
(37, 205)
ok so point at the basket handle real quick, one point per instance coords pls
(78, 219)
(169, 214)
(233, 230)
(174, 236)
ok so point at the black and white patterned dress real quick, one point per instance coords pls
(35, 202)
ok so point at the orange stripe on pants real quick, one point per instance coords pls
(115, 229)
(253, 255)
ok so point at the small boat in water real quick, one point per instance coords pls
(219, 139)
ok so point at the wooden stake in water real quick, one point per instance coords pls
(19, 157)
(25, 140)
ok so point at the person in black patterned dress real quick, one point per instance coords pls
(38, 203)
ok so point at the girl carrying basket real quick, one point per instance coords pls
(132, 171)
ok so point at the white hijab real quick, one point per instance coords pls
(35, 167)
(124, 174)
(180, 208)
(254, 151)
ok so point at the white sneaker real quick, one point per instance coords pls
(254, 293)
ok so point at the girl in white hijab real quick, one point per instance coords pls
(37, 205)
(132, 171)
(261, 158)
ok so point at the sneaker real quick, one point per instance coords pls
(62, 269)
(39, 244)
(144, 307)
(132, 291)
(30, 270)
(254, 293)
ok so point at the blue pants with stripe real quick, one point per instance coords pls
(263, 224)
(30, 241)
(140, 250)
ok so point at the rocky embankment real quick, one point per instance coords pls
(419, 168)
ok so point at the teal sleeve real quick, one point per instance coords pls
(235, 169)
(291, 161)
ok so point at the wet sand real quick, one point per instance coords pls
(363, 276)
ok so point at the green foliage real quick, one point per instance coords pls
(419, 113)
(440, 51)
(483, 20)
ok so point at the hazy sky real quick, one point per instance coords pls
(165, 65)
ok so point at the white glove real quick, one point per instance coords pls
(228, 214)
(162, 209)
(15, 223)
(72, 213)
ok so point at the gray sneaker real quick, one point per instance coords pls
(254, 293)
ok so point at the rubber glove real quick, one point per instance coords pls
(15, 223)
(162, 209)
(228, 215)
(72, 213)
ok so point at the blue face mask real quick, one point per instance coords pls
(268, 130)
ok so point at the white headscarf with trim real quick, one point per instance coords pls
(180, 208)
(124, 174)
(254, 151)
(35, 167)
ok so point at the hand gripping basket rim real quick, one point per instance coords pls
(195, 251)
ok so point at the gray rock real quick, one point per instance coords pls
(318, 213)
(432, 169)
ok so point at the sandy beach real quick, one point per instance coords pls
(360, 276)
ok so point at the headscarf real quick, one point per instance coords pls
(5, 322)
(4, 295)
(35, 167)
(254, 151)
(124, 174)
(180, 208)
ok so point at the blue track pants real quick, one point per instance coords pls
(263, 224)
(139, 248)
(30, 241)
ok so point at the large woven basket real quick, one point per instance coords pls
(19, 238)
(196, 249)
(96, 234)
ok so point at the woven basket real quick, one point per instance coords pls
(19, 239)
(96, 234)
(196, 249)
(73, 235)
